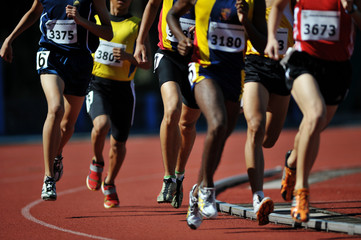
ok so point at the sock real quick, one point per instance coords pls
(173, 177)
(257, 197)
(179, 175)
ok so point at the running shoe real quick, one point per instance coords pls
(178, 197)
(207, 202)
(194, 218)
(48, 192)
(288, 181)
(300, 206)
(94, 178)
(168, 191)
(263, 208)
(58, 167)
(111, 197)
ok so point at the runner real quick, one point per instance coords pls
(324, 37)
(111, 98)
(177, 130)
(64, 64)
(265, 105)
(215, 76)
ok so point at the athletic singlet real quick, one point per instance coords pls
(167, 41)
(60, 32)
(284, 32)
(323, 29)
(219, 36)
(125, 31)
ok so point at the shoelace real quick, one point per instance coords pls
(303, 201)
(49, 185)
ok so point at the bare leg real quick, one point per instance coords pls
(53, 87)
(116, 158)
(187, 126)
(169, 131)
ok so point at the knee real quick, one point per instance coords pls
(172, 115)
(256, 127)
(314, 123)
(56, 111)
(101, 126)
(218, 129)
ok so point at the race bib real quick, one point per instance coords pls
(282, 38)
(192, 73)
(186, 24)
(42, 59)
(104, 53)
(226, 37)
(62, 31)
(320, 25)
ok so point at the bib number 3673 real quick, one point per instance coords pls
(320, 25)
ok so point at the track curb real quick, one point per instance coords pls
(281, 214)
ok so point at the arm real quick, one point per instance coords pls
(104, 30)
(179, 9)
(257, 29)
(26, 21)
(355, 14)
(150, 12)
(120, 54)
(274, 20)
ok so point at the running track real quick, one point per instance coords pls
(79, 213)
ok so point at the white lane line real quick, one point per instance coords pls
(26, 213)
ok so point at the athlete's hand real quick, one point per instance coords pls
(242, 10)
(72, 12)
(119, 54)
(184, 46)
(140, 53)
(6, 51)
(272, 49)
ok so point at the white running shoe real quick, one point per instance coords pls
(207, 202)
(263, 208)
(48, 192)
(194, 218)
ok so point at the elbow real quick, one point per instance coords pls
(108, 34)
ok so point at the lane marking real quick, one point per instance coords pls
(25, 211)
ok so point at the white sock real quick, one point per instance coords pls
(256, 196)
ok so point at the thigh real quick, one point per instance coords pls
(72, 106)
(255, 100)
(53, 87)
(210, 100)
(307, 95)
(276, 115)
(189, 115)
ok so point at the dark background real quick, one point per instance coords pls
(23, 106)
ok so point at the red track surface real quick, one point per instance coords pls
(79, 213)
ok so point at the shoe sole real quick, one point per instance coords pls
(87, 184)
(48, 198)
(112, 206)
(266, 209)
(192, 226)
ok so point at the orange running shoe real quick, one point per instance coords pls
(111, 197)
(288, 181)
(300, 206)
